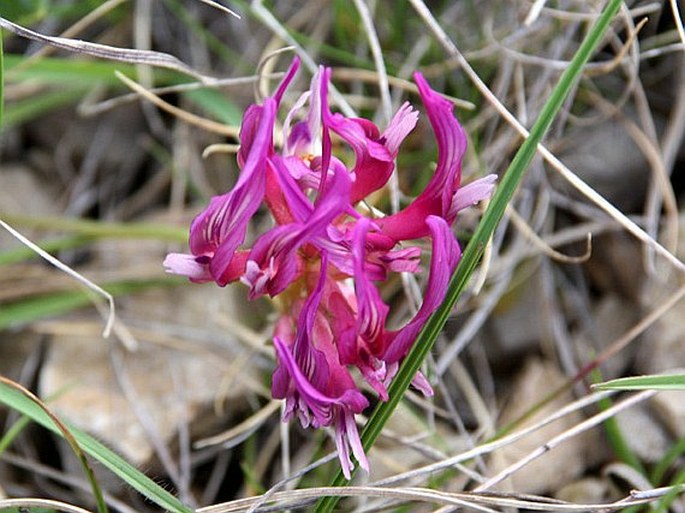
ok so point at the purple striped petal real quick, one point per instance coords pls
(217, 232)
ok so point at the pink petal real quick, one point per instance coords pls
(374, 163)
(451, 141)
(436, 198)
(273, 263)
(289, 75)
(422, 385)
(326, 145)
(303, 139)
(405, 260)
(444, 259)
(346, 437)
(220, 229)
(372, 311)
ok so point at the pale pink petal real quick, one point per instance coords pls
(355, 442)
(472, 193)
(304, 138)
(422, 385)
(187, 265)
(402, 123)
(405, 260)
(346, 438)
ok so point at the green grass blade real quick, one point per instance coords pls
(474, 249)
(12, 433)
(676, 451)
(24, 311)
(68, 71)
(615, 436)
(64, 431)
(15, 400)
(91, 228)
(660, 382)
(216, 105)
(32, 108)
(2, 80)
(52, 246)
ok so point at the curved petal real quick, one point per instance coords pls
(444, 259)
(398, 129)
(289, 75)
(375, 153)
(304, 138)
(272, 264)
(310, 362)
(436, 198)
(347, 437)
(220, 229)
(374, 163)
(327, 410)
(451, 141)
(405, 260)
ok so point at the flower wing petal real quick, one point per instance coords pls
(221, 228)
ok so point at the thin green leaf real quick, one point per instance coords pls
(90, 228)
(216, 105)
(2, 80)
(36, 106)
(26, 10)
(12, 433)
(65, 71)
(21, 254)
(615, 434)
(674, 453)
(676, 484)
(660, 382)
(474, 249)
(32, 309)
(17, 401)
(63, 430)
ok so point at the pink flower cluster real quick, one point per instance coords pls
(324, 255)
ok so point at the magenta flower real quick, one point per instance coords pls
(323, 257)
